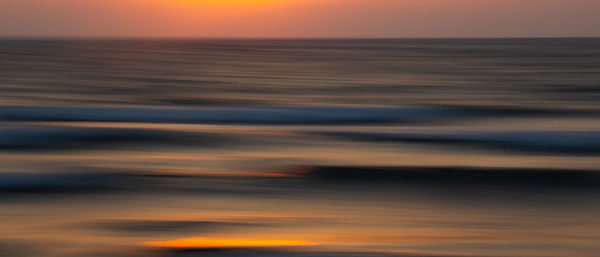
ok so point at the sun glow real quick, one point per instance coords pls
(223, 243)
(231, 2)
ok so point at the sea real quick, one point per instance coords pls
(300, 147)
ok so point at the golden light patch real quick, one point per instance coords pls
(231, 2)
(226, 243)
(222, 173)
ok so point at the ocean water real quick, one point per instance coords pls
(300, 148)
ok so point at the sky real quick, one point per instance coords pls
(299, 18)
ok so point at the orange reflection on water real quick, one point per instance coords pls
(221, 173)
(219, 243)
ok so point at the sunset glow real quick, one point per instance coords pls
(219, 243)
(222, 173)
(299, 18)
(230, 2)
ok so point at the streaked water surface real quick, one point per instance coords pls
(318, 148)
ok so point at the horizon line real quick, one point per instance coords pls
(9, 37)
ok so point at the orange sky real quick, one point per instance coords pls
(300, 18)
